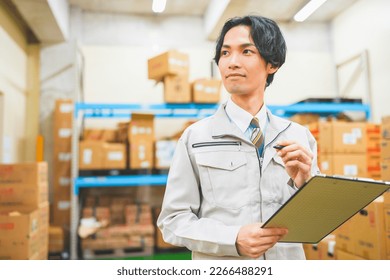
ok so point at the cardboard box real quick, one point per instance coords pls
(23, 184)
(345, 236)
(62, 185)
(385, 170)
(386, 199)
(114, 156)
(351, 165)
(122, 129)
(306, 119)
(29, 173)
(169, 63)
(63, 157)
(373, 138)
(141, 140)
(342, 255)
(60, 211)
(370, 231)
(23, 195)
(373, 161)
(24, 233)
(386, 127)
(101, 155)
(164, 151)
(109, 135)
(62, 140)
(56, 239)
(206, 91)
(100, 213)
(385, 149)
(93, 134)
(63, 113)
(324, 250)
(387, 226)
(91, 155)
(342, 137)
(177, 89)
(112, 243)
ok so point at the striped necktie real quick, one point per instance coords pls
(257, 137)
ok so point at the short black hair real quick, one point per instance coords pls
(265, 34)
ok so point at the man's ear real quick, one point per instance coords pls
(271, 69)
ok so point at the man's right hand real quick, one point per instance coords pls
(253, 241)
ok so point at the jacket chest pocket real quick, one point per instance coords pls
(275, 178)
(223, 178)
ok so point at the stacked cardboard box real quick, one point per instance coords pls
(324, 250)
(343, 147)
(343, 255)
(206, 90)
(364, 235)
(130, 224)
(130, 145)
(373, 151)
(172, 67)
(24, 211)
(56, 239)
(386, 202)
(62, 157)
(385, 146)
(101, 155)
(163, 153)
(141, 141)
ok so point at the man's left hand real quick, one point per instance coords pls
(297, 161)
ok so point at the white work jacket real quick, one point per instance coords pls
(218, 182)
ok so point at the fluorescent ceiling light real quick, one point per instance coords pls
(308, 9)
(158, 6)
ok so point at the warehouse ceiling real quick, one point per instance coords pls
(279, 10)
(39, 13)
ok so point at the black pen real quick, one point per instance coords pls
(278, 147)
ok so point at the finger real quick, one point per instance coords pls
(302, 167)
(291, 146)
(297, 155)
(273, 231)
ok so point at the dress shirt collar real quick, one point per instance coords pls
(242, 118)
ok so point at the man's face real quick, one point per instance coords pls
(242, 68)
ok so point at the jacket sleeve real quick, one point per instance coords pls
(178, 220)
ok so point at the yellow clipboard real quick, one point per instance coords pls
(322, 205)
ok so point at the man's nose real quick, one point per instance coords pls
(234, 61)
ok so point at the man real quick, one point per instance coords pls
(226, 178)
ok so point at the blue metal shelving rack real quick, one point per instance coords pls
(99, 110)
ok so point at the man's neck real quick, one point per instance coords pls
(251, 104)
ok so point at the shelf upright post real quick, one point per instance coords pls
(74, 209)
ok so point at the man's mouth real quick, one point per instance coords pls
(233, 75)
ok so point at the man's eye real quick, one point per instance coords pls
(223, 53)
(248, 51)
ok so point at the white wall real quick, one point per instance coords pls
(366, 26)
(13, 75)
(116, 49)
(309, 68)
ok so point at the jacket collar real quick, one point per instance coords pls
(275, 126)
(223, 126)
